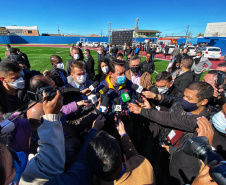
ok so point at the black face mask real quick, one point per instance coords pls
(135, 69)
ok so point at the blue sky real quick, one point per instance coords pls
(87, 17)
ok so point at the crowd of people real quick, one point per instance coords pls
(69, 125)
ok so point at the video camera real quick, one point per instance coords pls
(38, 95)
(219, 79)
(199, 147)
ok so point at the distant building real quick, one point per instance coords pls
(51, 34)
(3, 31)
(175, 37)
(23, 30)
(146, 33)
(93, 35)
(215, 30)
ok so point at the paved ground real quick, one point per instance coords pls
(159, 56)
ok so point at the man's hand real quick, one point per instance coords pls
(99, 122)
(53, 106)
(120, 128)
(166, 147)
(86, 92)
(149, 94)
(134, 108)
(81, 103)
(146, 103)
(205, 129)
(47, 73)
(204, 177)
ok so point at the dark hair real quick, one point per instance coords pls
(164, 75)
(80, 44)
(2, 163)
(148, 53)
(7, 45)
(213, 72)
(104, 156)
(173, 67)
(54, 58)
(8, 65)
(111, 58)
(17, 49)
(205, 90)
(119, 55)
(12, 50)
(74, 48)
(188, 62)
(37, 82)
(134, 57)
(104, 60)
(223, 64)
(114, 63)
(88, 51)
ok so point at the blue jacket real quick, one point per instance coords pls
(113, 93)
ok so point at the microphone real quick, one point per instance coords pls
(104, 90)
(125, 97)
(6, 126)
(94, 85)
(104, 105)
(137, 88)
(93, 98)
(117, 109)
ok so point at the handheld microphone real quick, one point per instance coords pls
(125, 97)
(93, 98)
(137, 88)
(104, 105)
(117, 109)
(94, 85)
(104, 90)
(6, 126)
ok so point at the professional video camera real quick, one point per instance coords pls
(199, 147)
(38, 95)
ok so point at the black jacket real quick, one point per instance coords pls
(182, 81)
(14, 56)
(56, 77)
(100, 77)
(128, 51)
(90, 64)
(183, 168)
(148, 67)
(80, 54)
(114, 50)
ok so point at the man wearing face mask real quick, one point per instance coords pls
(12, 86)
(90, 63)
(137, 76)
(57, 73)
(198, 65)
(148, 65)
(195, 102)
(102, 54)
(78, 74)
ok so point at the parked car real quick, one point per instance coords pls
(211, 52)
(104, 44)
(191, 51)
(89, 44)
(95, 44)
(158, 48)
(171, 48)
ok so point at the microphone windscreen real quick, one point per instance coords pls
(96, 84)
(135, 87)
(116, 101)
(105, 90)
(105, 101)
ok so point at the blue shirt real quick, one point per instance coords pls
(63, 77)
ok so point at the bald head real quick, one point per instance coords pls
(40, 81)
(34, 114)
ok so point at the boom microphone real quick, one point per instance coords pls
(94, 85)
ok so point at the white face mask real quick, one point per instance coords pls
(60, 65)
(162, 90)
(76, 56)
(100, 52)
(81, 79)
(105, 69)
(197, 56)
(18, 84)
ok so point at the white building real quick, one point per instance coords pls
(215, 30)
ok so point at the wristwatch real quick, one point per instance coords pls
(156, 97)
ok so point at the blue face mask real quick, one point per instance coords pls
(19, 164)
(121, 80)
(219, 122)
(187, 106)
